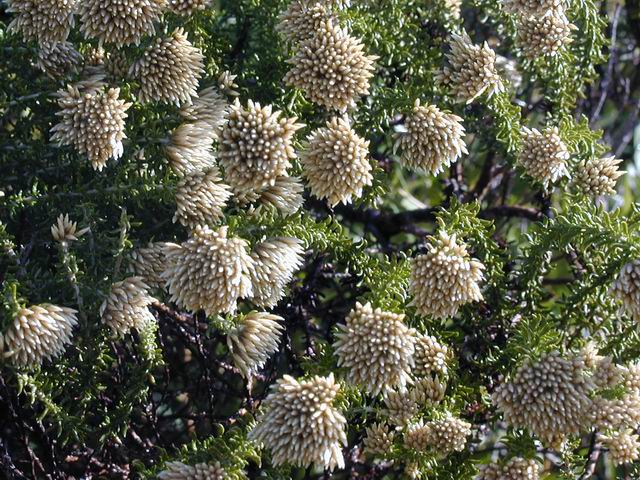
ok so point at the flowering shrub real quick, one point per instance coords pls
(319, 239)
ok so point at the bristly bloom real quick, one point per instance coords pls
(300, 425)
(538, 8)
(119, 22)
(92, 121)
(430, 356)
(149, 262)
(285, 195)
(59, 59)
(598, 176)
(65, 231)
(544, 155)
(544, 36)
(169, 70)
(472, 69)
(623, 447)
(336, 163)
(209, 271)
(188, 7)
(378, 440)
(441, 436)
(626, 288)
(302, 18)
(127, 306)
(376, 348)
(276, 260)
(445, 278)
(37, 333)
(550, 397)
(201, 198)
(190, 149)
(42, 20)
(331, 68)
(254, 340)
(200, 471)
(431, 139)
(400, 406)
(516, 468)
(256, 146)
(207, 110)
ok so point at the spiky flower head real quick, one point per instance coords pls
(544, 155)
(549, 396)
(607, 374)
(209, 271)
(626, 288)
(65, 231)
(623, 447)
(188, 7)
(119, 22)
(376, 348)
(430, 356)
(256, 146)
(37, 333)
(201, 198)
(300, 425)
(598, 176)
(190, 149)
(200, 471)
(276, 260)
(428, 391)
(331, 68)
(92, 120)
(631, 377)
(431, 139)
(302, 18)
(169, 70)
(285, 195)
(336, 162)
(616, 413)
(42, 20)
(471, 71)
(254, 340)
(127, 306)
(516, 468)
(227, 84)
(445, 278)
(538, 8)
(149, 262)
(544, 36)
(378, 440)
(208, 109)
(59, 59)
(444, 436)
(400, 406)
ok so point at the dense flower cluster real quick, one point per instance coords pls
(400, 406)
(254, 340)
(42, 20)
(169, 70)
(378, 440)
(598, 176)
(441, 436)
(445, 278)
(127, 306)
(256, 146)
(302, 18)
(516, 468)
(275, 262)
(37, 333)
(376, 348)
(120, 22)
(200, 471)
(544, 155)
(550, 397)
(331, 68)
(543, 36)
(336, 163)
(149, 262)
(471, 71)
(200, 198)
(92, 120)
(626, 288)
(300, 425)
(209, 271)
(66, 231)
(539, 8)
(188, 7)
(431, 139)
(190, 149)
(59, 59)
(623, 447)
